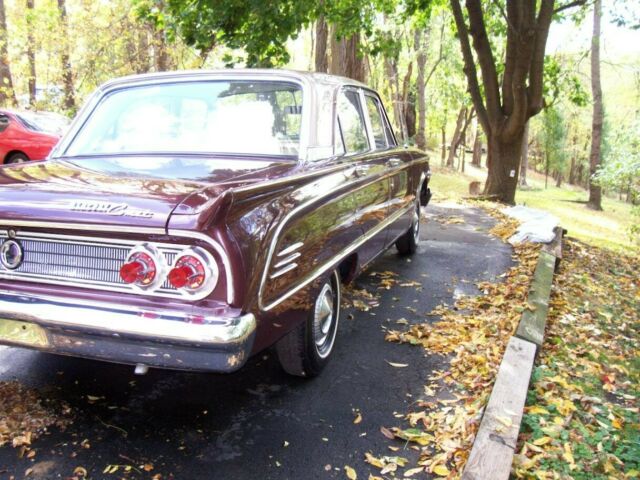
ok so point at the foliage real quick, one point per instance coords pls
(554, 134)
(582, 417)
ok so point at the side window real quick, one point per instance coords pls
(377, 122)
(4, 122)
(351, 121)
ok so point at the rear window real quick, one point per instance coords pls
(236, 117)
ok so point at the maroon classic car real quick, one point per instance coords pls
(189, 220)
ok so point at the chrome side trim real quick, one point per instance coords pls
(281, 272)
(333, 261)
(290, 248)
(287, 217)
(287, 260)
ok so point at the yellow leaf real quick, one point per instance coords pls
(568, 454)
(440, 470)
(358, 418)
(80, 471)
(542, 441)
(373, 477)
(376, 462)
(616, 423)
(351, 473)
(536, 410)
(413, 471)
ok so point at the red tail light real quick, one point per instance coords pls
(188, 272)
(140, 269)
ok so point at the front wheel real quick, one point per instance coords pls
(407, 244)
(17, 158)
(306, 350)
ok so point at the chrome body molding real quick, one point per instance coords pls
(138, 230)
(335, 260)
(350, 249)
(167, 338)
(282, 271)
(93, 263)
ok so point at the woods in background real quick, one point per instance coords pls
(464, 80)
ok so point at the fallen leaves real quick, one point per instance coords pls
(472, 334)
(350, 473)
(24, 415)
(397, 365)
(583, 414)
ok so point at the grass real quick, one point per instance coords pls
(608, 229)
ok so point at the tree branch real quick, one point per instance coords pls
(470, 67)
(536, 69)
(485, 57)
(576, 3)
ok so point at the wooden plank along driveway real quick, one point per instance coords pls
(260, 423)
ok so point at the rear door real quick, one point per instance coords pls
(395, 161)
(370, 185)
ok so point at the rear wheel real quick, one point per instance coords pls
(306, 349)
(17, 158)
(407, 244)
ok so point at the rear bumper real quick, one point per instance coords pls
(164, 338)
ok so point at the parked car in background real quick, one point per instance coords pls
(189, 220)
(28, 135)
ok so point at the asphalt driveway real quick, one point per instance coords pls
(259, 423)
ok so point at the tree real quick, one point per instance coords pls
(553, 142)
(595, 191)
(31, 55)
(67, 73)
(503, 108)
(7, 94)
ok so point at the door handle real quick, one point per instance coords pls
(362, 170)
(394, 162)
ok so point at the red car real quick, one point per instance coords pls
(25, 136)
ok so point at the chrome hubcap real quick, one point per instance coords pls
(416, 224)
(324, 321)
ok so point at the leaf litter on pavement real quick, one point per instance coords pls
(472, 335)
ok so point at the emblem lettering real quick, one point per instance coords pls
(108, 208)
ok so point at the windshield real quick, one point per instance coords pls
(241, 117)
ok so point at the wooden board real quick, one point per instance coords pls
(534, 319)
(495, 443)
(554, 247)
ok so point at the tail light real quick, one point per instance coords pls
(193, 271)
(143, 267)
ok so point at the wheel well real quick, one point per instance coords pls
(11, 153)
(348, 268)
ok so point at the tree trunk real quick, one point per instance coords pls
(31, 55)
(572, 170)
(345, 58)
(456, 137)
(476, 160)
(443, 145)
(67, 73)
(322, 35)
(524, 159)
(502, 177)
(7, 93)
(421, 60)
(558, 179)
(595, 191)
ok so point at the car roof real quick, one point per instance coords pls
(302, 77)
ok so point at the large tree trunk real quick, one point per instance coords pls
(67, 73)
(524, 159)
(421, 60)
(345, 57)
(7, 93)
(507, 100)
(595, 192)
(31, 55)
(502, 177)
(322, 36)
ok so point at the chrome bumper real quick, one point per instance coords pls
(177, 339)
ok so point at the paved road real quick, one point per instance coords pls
(260, 423)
